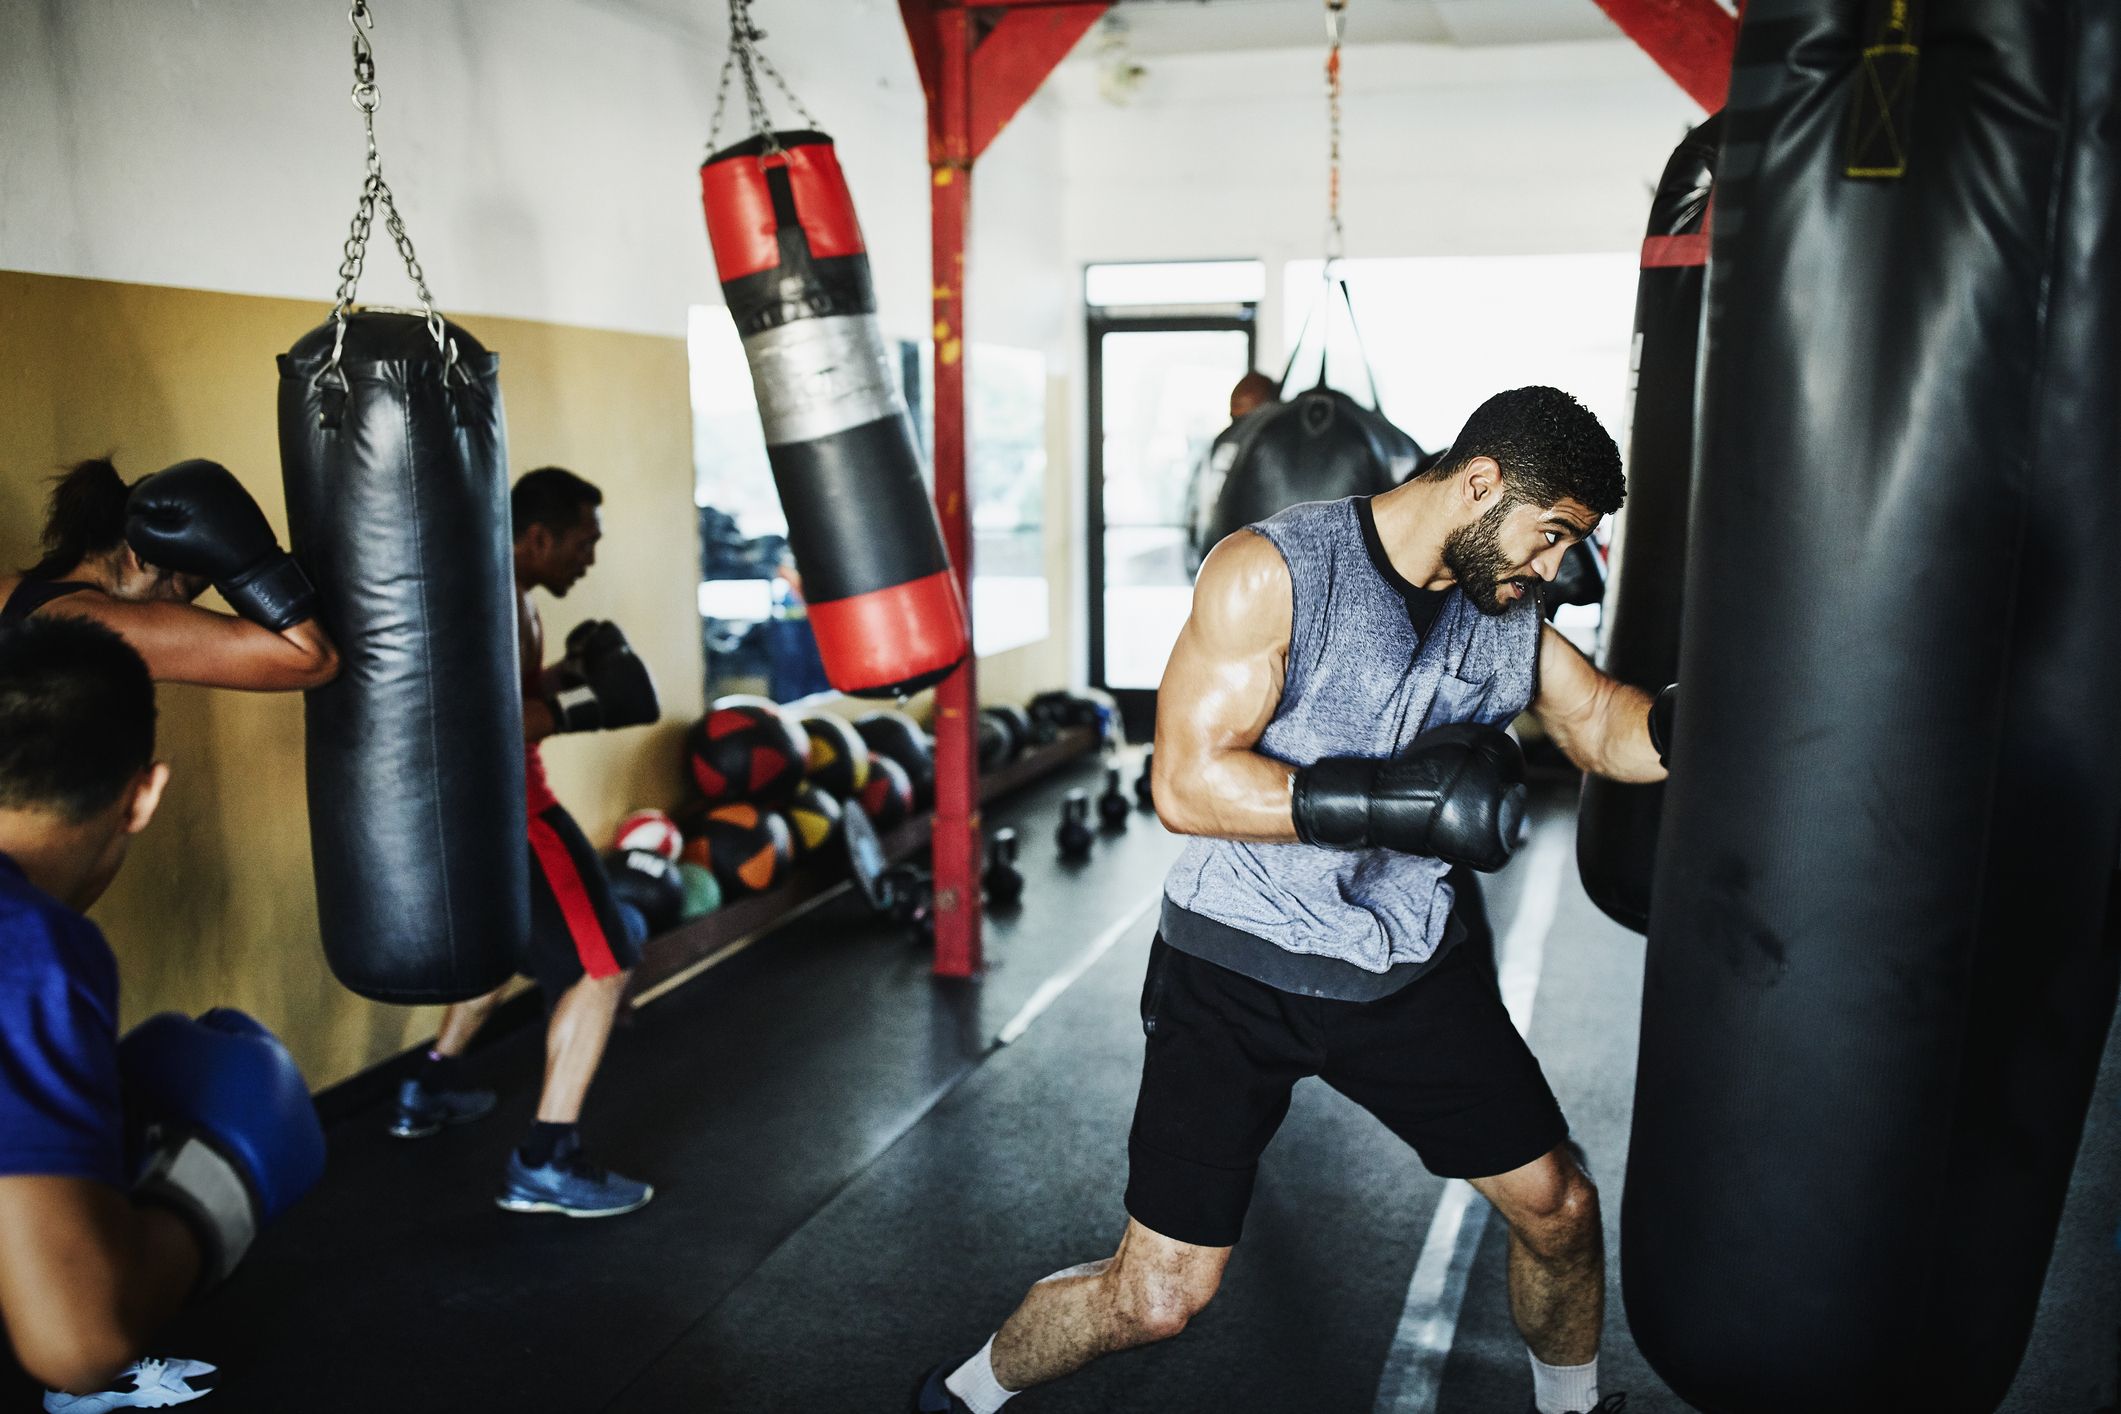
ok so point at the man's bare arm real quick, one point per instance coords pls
(86, 1277)
(1219, 692)
(1600, 723)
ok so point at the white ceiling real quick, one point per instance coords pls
(1209, 26)
(1205, 26)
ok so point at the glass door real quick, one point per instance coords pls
(1160, 392)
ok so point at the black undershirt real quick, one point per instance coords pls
(1423, 605)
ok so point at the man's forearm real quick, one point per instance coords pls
(1622, 749)
(1230, 795)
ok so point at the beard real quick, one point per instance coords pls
(1474, 556)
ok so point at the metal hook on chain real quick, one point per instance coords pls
(749, 60)
(375, 191)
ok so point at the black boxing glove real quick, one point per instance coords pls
(1456, 794)
(608, 685)
(195, 518)
(1662, 706)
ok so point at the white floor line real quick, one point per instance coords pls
(1049, 991)
(1428, 1322)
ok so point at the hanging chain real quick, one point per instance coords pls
(1336, 27)
(375, 190)
(747, 58)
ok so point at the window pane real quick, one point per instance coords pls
(1164, 397)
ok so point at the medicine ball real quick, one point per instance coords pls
(651, 830)
(839, 758)
(896, 735)
(888, 798)
(996, 742)
(650, 883)
(746, 752)
(1018, 722)
(814, 818)
(749, 849)
(703, 892)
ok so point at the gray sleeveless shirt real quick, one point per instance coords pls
(1360, 681)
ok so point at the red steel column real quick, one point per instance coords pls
(957, 839)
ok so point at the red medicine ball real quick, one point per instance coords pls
(888, 798)
(746, 752)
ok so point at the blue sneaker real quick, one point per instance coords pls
(422, 1111)
(570, 1185)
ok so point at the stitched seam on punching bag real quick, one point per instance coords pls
(427, 679)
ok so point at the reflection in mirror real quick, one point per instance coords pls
(754, 626)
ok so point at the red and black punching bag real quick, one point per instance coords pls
(883, 600)
(1616, 824)
(1882, 950)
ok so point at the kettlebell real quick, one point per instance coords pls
(1004, 881)
(1112, 806)
(1074, 836)
(1143, 795)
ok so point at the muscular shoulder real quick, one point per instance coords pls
(1244, 588)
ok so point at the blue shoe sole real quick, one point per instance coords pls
(542, 1205)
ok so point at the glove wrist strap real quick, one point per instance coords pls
(578, 708)
(195, 1181)
(274, 592)
(1331, 803)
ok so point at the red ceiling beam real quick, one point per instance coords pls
(1691, 40)
(1015, 57)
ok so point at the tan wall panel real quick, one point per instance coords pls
(217, 904)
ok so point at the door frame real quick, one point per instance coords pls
(1137, 705)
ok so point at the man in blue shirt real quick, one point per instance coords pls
(101, 1241)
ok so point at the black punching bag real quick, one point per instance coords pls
(1882, 953)
(1320, 445)
(397, 501)
(1616, 824)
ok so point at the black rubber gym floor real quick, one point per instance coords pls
(855, 1181)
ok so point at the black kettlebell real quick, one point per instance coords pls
(1143, 795)
(904, 889)
(1112, 806)
(1004, 881)
(1074, 836)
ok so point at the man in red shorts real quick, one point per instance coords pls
(580, 950)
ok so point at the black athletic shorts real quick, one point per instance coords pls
(575, 928)
(1439, 1061)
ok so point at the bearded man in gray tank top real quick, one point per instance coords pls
(1329, 734)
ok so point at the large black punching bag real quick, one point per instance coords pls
(1616, 824)
(397, 501)
(1882, 953)
(1320, 445)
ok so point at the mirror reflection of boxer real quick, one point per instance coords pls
(133, 1173)
(581, 952)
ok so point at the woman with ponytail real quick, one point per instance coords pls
(134, 557)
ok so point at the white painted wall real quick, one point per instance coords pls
(543, 152)
(1493, 150)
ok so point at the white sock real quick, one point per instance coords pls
(1562, 1389)
(974, 1382)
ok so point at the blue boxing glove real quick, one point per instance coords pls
(227, 1134)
